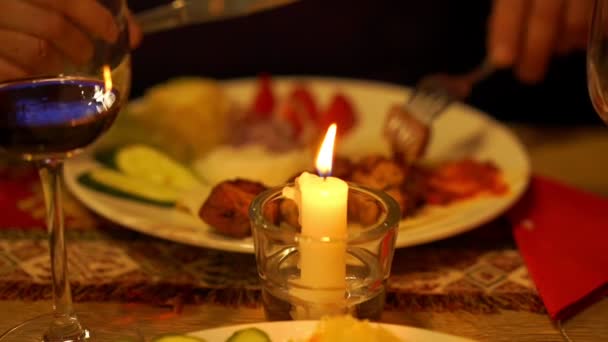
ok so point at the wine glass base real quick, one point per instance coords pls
(96, 328)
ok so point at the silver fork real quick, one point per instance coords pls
(407, 127)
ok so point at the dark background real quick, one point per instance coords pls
(393, 41)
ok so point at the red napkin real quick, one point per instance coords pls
(17, 184)
(562, 234)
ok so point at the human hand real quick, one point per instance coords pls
(525, 34)
(38, 36)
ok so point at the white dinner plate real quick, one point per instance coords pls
(461, 131)
(300, 330)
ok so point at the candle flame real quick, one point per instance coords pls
(326, 152)
(107, 78)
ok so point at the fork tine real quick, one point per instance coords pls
(409, 131)
(426, 104)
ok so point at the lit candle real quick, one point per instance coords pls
(322, 204)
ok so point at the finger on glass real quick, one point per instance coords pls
(48, 25)
(89, 15)
(31, 54)
(10, 71)
(135, 33)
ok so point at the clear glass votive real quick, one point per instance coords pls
(373, 220)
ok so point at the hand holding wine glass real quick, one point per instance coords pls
(69, 71)
(42, 36)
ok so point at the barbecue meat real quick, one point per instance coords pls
(227, 207)
(412, 186)
(379, 173)
(362, 209)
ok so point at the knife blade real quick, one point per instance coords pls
(181, 13)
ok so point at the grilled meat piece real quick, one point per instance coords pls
(226, 208)
(401, 198)
(404, 184)
(342, 168)
(362, 209)
(290, 213)
(379, 173)
(414, 190)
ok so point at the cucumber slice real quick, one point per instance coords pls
(154, 166)
(117, 184)
(249, 335)
(148, 163)
(177, 338)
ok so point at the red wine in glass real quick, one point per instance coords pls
(54, 117)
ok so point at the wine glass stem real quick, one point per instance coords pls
(65, 325)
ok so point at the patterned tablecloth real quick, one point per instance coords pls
(480, 271)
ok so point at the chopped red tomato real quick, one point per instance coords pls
(340, 111)
(263, 102)
(293, 114)
(303, 97)
(299, 109)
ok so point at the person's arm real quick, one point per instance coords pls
(525, 34)
(37, 36)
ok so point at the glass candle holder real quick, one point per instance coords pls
(363, 258)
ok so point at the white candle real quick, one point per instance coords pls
(322, 204)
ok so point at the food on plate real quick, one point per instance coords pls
(413, 144)
(299, 112)
(272, 139)
(302, 96)
(149, 164)
(403, 183)
(186, 133)
(192, 115)
(227, 207)
(451, 181)
(118, 184)
(340, 111)
(177, 338)
(273, 134)
(328, 329)
(254, 162)
(229, 152)
(412, 187)
(249, 335)
(349, 329)
(264, 99)
(142, 173)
